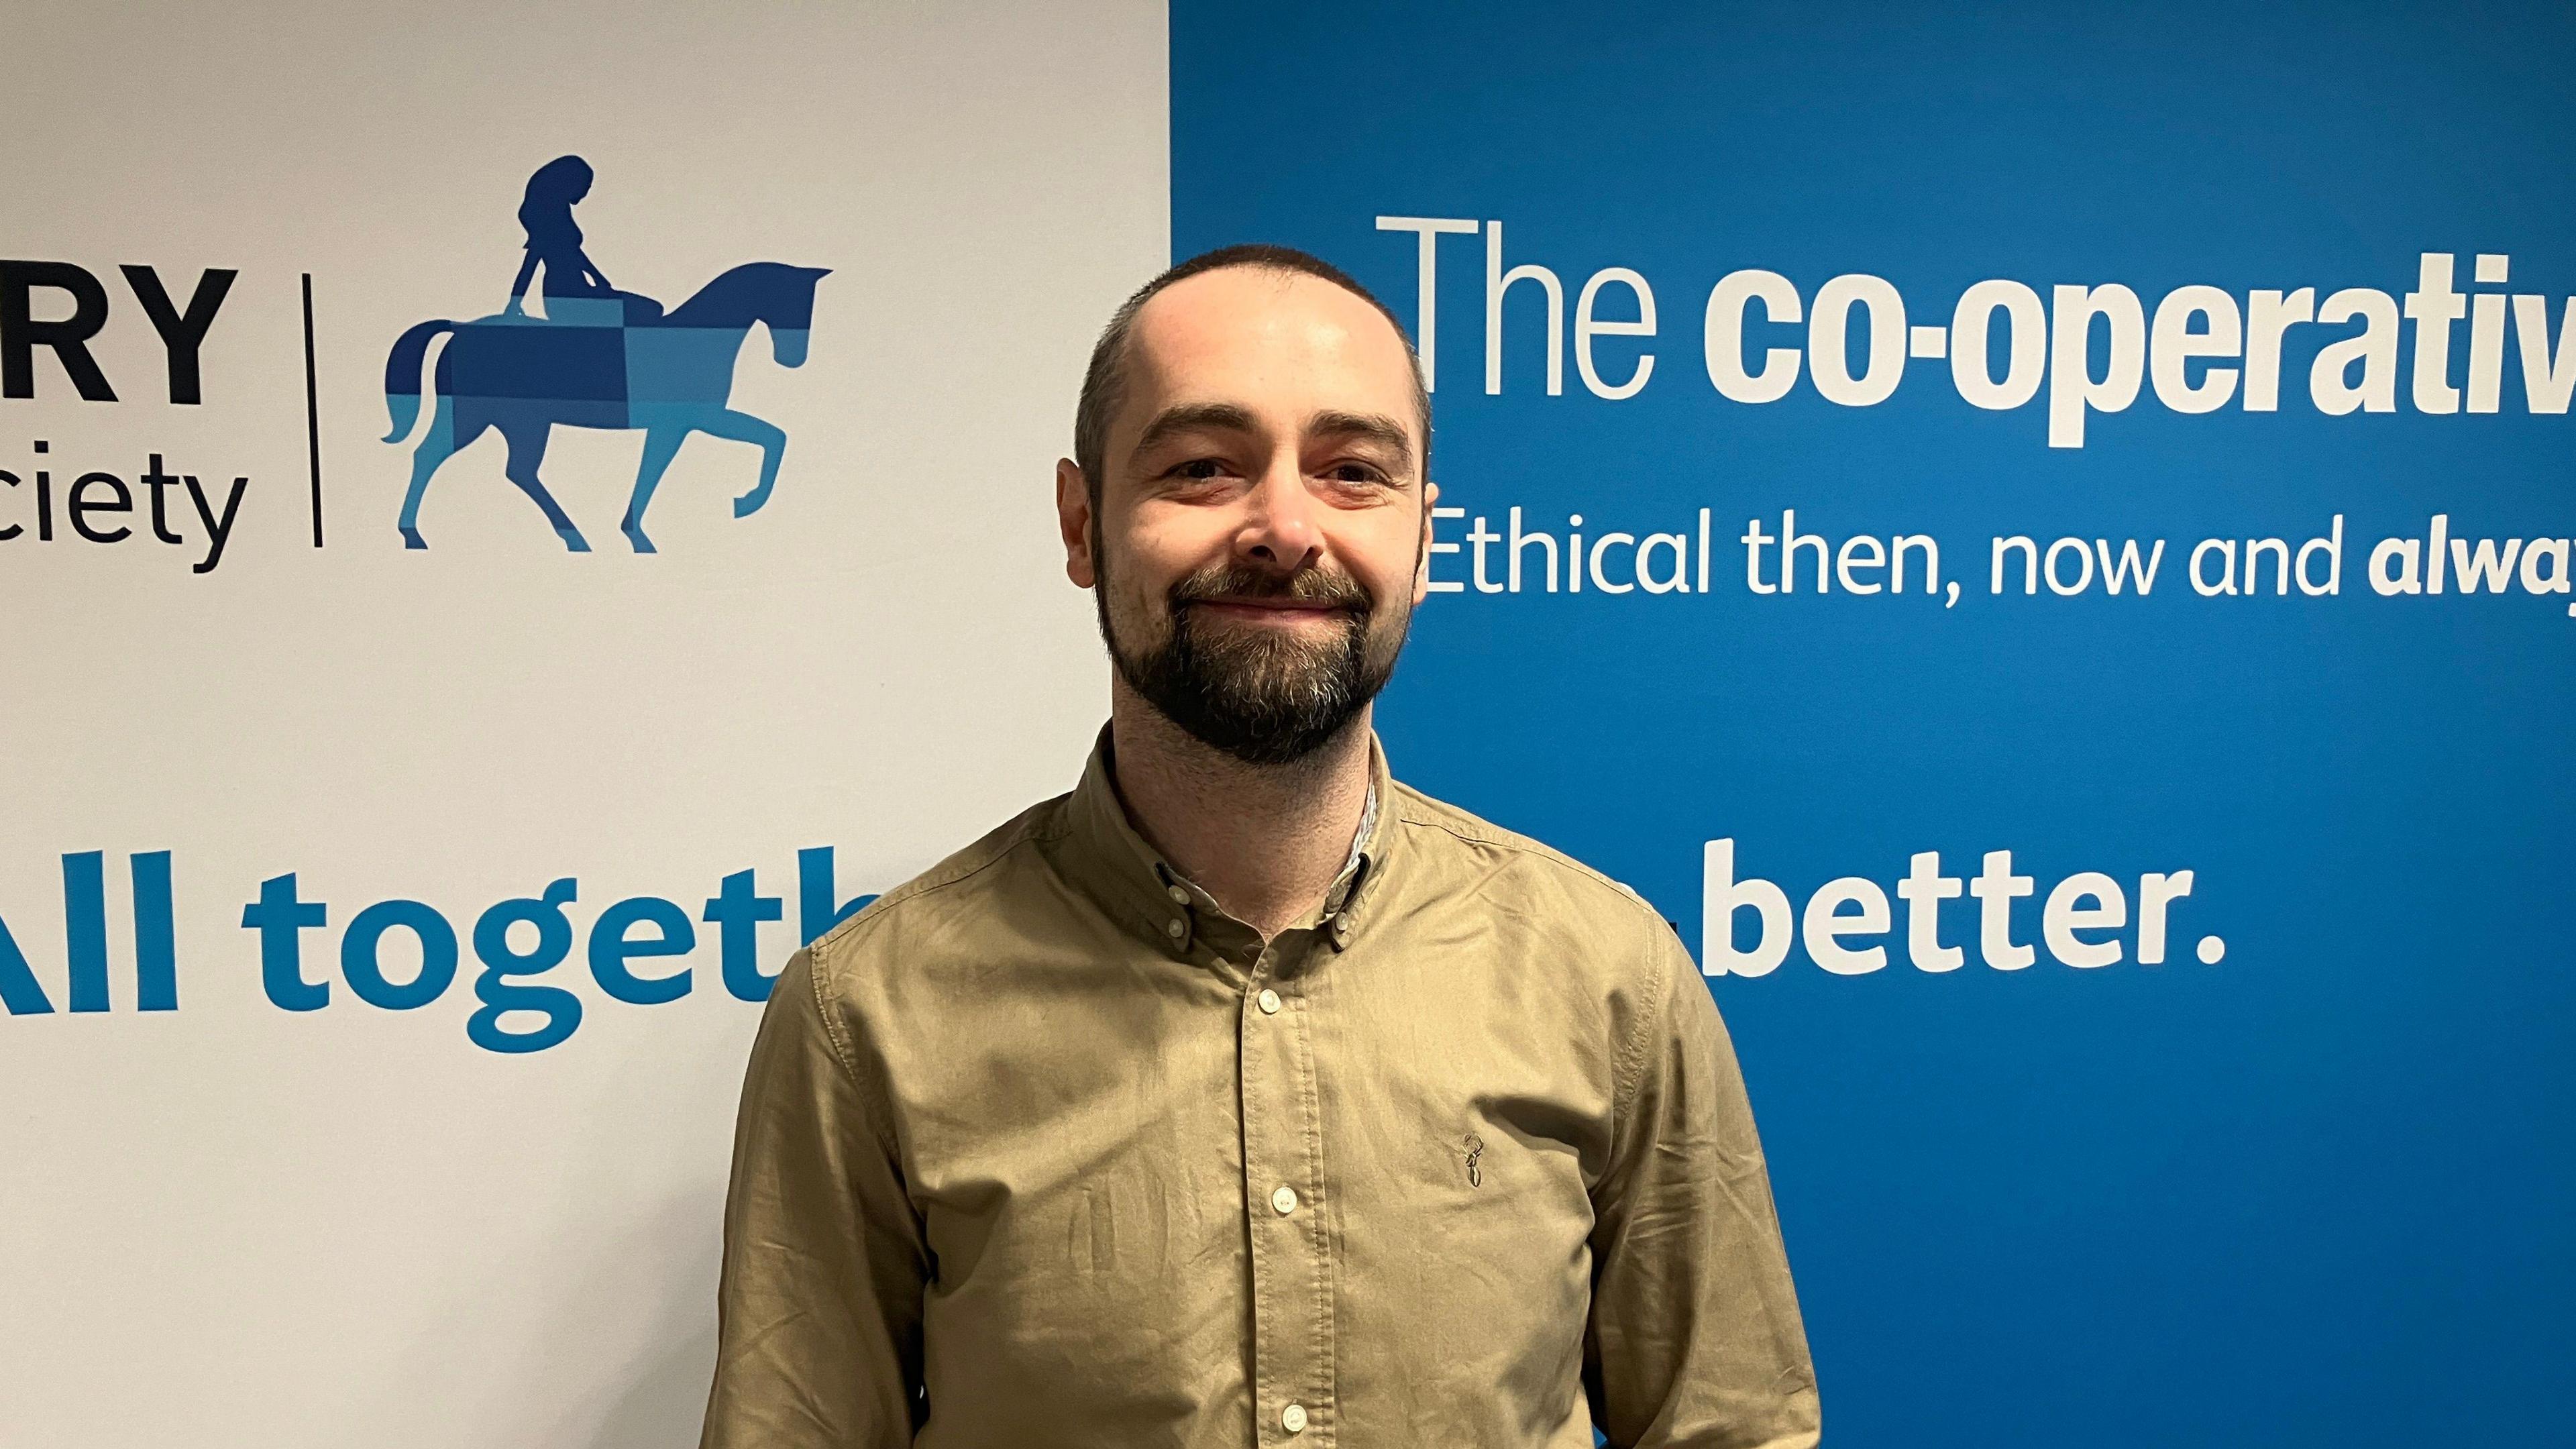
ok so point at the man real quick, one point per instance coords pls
(1244, 1096)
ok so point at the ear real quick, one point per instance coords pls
(1422, 574)
(1073, 523)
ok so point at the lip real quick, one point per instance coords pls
(1265, 609)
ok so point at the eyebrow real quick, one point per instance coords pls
(1376, 428)
(1191, 417)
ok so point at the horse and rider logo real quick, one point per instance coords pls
(598, 358)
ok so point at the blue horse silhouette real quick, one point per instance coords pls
(597, 363)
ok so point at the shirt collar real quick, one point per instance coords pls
(1111, 861)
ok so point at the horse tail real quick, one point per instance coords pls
(403, 376)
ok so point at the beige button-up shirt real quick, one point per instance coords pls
(1043, 1148)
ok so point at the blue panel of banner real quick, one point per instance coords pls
(2041, 539)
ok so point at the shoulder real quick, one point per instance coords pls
(1582, 916)
(1622, 966)
(963, 884)
(1447, 832)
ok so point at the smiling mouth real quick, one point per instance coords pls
(1267, 610)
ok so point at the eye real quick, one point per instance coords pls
(1353, 473)
(1200, 470)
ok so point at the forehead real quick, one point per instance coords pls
(1280, 344)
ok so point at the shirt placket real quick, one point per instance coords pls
(1285, 1206)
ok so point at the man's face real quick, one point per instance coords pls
(1261, 533)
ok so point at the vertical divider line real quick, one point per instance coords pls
(312, 412)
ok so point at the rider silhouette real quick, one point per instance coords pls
(555, 240)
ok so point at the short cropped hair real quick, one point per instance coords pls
(1104, 382)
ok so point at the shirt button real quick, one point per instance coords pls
(1175, 930)
(1293, 1418)
(1178, 894)
(1284, 1201)
(1269, 1002)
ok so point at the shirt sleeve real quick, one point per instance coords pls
(819, 1310)
(1695, 1338)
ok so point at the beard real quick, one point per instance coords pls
(1264, 695)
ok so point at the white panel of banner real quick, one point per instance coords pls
(261, 1180)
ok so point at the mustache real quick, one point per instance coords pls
(1233, 581)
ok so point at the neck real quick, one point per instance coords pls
(1267, 841)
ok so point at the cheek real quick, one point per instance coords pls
(1137, 568)
(1163, 544)
(1383, 554)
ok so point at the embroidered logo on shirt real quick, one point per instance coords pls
(1475, 1146)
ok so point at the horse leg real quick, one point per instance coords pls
(527, 450)
(436, 447)
(744, 428)
(660, 446)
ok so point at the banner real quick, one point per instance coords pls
(2039, 539)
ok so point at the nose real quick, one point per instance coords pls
(1282, 522)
